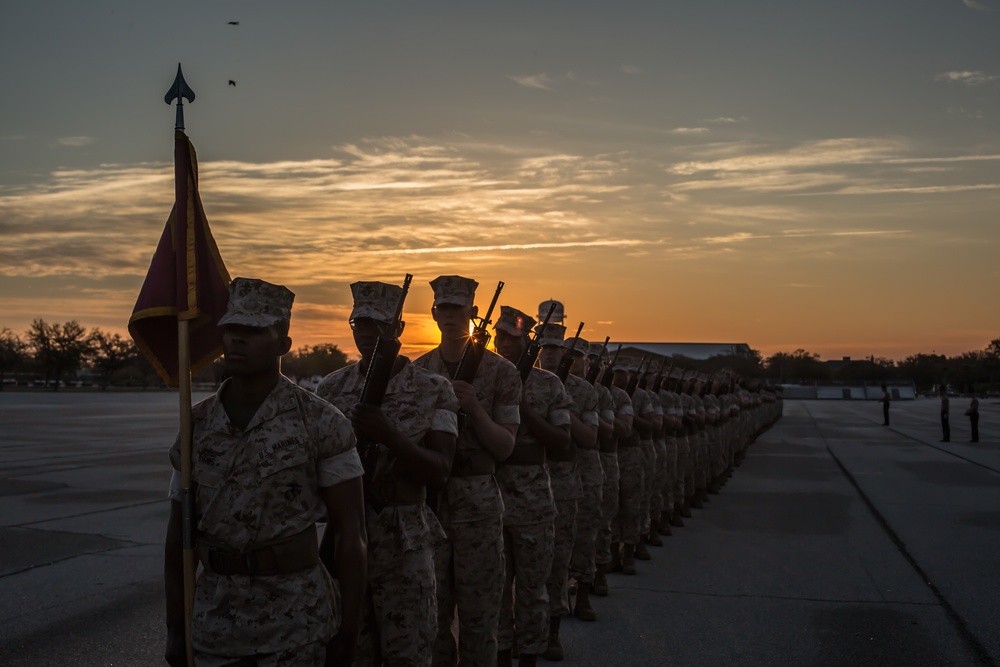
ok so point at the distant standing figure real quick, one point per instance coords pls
(945, 406)
(885, 406)
(973, 413)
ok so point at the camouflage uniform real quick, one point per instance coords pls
(528, 521)
(621, 406)
(591, 480)
(470, 565)
(669, 401)
(691, 441)
(632, 465)
(403, 535)
(259, 486)
(656, 455)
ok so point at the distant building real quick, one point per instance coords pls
(697, 351)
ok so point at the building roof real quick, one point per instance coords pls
(690, 350)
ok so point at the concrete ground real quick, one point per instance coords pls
(838, 542)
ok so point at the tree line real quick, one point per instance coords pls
(55, 354)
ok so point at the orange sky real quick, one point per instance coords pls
(683, 172)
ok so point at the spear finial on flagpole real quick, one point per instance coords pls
(179, 91)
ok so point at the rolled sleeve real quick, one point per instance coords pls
(340, 468)
(559, 417)
(608, 415)
(446, 421)
(590, 418)
(507, 414)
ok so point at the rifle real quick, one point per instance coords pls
(530, 354)
(475, 346)
(595, 369)
(566, 362)
(633, 383)
(658, 380)
(609, 372)
(377, 377)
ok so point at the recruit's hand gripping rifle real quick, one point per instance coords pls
(595, 369)
(566, 362)
(380, 367)
(475, 346)
(633, 382)
(530, 354)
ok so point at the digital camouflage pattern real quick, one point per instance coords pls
(454, 290)
(375, 300)
(262, 485)
(255, 303)
(470, 565)
(401, 538)
(565, 491)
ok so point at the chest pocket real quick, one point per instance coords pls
(282, 461)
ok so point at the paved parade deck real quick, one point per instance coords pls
(838, 542)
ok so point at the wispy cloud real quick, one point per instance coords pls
(972, 4)
(969, 78)
(75, 142)
(690, 130)
(539, 81)
(724, 120)
(631, 69)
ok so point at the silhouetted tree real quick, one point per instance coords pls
(110, 353)
(799, 366)
(310, 360)
(12, 353)
(59, 348)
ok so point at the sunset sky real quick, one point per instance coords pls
(818, 175)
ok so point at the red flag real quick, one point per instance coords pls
(187, 280)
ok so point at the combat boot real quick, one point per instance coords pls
(505, 658)
(582, 609)
(616, 558)
(628, 559)
(641, 552)
(663, 525)
(675, 518)
(527, 660)
(696, 500)
(653, 539)
(600, 587)
(554, 651)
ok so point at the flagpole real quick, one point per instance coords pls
(179, 91)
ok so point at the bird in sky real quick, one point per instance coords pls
(232, 83)
(234, 23)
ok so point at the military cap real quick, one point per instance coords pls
(514, 322)
(375, 300)
(594, 349)
(582, 345)
(677, 374)
(558, 314)
(627, 363)
(255, 303)
(553, 334)
(455, 290)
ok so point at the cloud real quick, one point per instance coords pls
(690, 130)
(724, 120)
(972, 4)
(631, 69)
(539, 81)
(75, 142)
(969, 78)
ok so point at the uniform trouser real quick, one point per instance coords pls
(656, 503)
(692, 462)
(945, 427)
(310, 655)
(588, 515)
(470, 575)
(974, 425)
(524, 612)
(403, 604)
(565, 491)
(609, 506)
(667, 490)
(719, 440)
(628, 522)
(701, 460)
(648, 478)
(680, 479)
